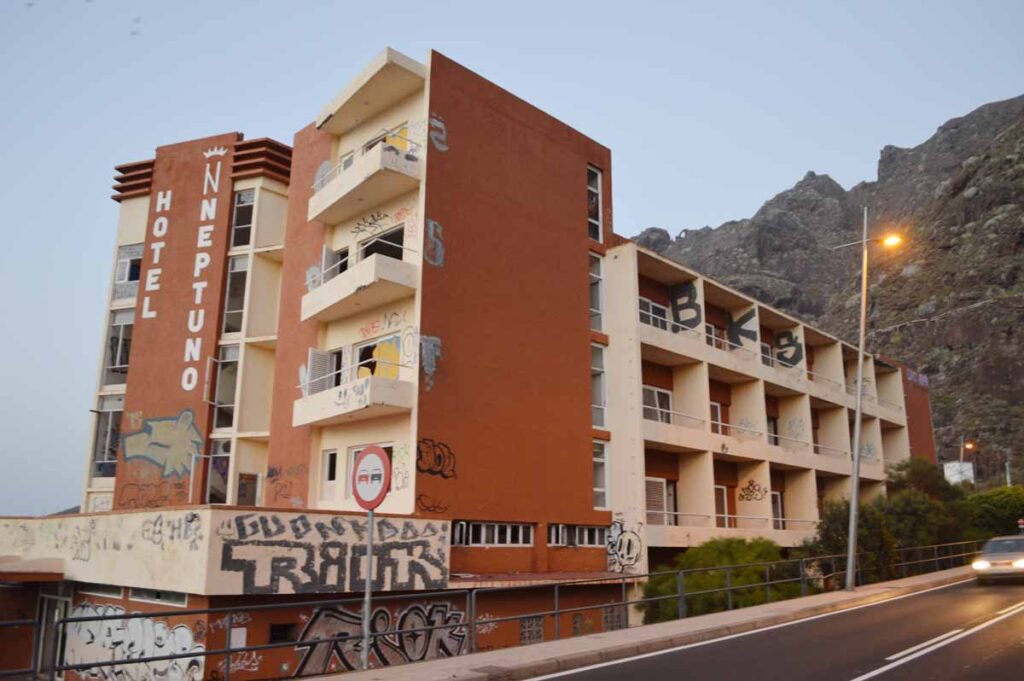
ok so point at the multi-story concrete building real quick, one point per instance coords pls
(431, 268)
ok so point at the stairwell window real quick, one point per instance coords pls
(328, 473)
(241, 218)
(234, 298)
(217, 473)
(596, 292)
(600, 462)
(657, 404)
(597, 386)
(227, 384)
(594, 204)
(119, 347)
(773, 430)
(653, 314)
(778, 511)
(717, 427)
(108, 435)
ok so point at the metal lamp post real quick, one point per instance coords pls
(851, 556)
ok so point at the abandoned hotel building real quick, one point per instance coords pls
(431, 268)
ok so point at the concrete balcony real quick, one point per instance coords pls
(364, 398)
(693, 530)
(372, 176)
(371, 282)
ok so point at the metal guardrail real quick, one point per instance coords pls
(675, 418)
(726, 585)
(731, 429)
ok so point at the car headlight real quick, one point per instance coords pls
(1019, 564)
(981, 565)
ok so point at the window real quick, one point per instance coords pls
(389, 244)
(597, 386)
(337, 367)
(600, 458)
(657, 404)
(241, 220)
(217, 473)
(127, 271)
(587, 535)
(328, 473)
(227, 383)
(468, 533)
(778, 511)
(557, 534)
(248, 485)
(594, 203)
(119, 347)
(333, 263)
(766, 355)
(346, 160)
(773, 430)
(715, 336)
(350, 461)
(283, 633)
(716, 419)
(105, 590)
(108, 436)
(596, 292)
(234, 299)
(531, 630)
(157, 596)
(656, 498)
(722, 516)
(653, 314)
(379, 357)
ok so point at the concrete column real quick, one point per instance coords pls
(695, 493)
(690, 390)
(828, 361)
(747, 409)
(753, 496)
(801, 498)
(795, 421)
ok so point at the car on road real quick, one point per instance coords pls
(1001, 558)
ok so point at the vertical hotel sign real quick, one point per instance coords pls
(166, 417)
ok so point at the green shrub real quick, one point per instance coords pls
(713, 554)
(996, 511)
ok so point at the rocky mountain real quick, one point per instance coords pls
(950, 302)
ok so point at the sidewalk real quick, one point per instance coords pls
(510, 664)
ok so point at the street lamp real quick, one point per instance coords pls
(889, 241)
(965, 445)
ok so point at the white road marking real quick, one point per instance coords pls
(941, 644)
(624, 660)
(922, 645)
(1015, 605)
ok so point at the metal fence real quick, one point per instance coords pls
(674, 595)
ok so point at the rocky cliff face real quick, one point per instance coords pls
(950, 302)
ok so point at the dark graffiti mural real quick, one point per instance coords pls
(435, 458)
(752, 491)
(290, 553)
(401, 637)
(788, 348)
(686, 312)
(738, 328)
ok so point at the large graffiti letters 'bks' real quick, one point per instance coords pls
(686, 312)
(737, 328)
(788, 348)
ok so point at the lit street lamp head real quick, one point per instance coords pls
(969, 445)
(892, 241)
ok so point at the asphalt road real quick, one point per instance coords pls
(882, 642)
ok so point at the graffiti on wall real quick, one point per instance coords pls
(153, 494)
(430, 352)
(171, 443)
(686, 312)
(433, 247)
(624, 547)
(752, 491)
(438, 132)
(124, 640)
(280, 554)
(187, 529)
(435, 458)
(787, 348)
(429, 504)
(401, 638)
(371, 224)
(740, 327)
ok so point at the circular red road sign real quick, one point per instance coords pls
(371, 477)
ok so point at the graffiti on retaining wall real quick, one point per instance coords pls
(187, 529)
(405, 643)
(293, 554)
(124, 640)
(172, 443)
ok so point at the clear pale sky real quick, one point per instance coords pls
(709, 109)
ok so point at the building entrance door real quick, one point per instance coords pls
(51, 639)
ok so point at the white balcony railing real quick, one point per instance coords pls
(825, 450)
(790, 442)
(335, 379)
(733, 520)
(675, 418)
(319, 275)
(740, 432)
(828, 382)
(722, 343)
(676, 519)
(412, 153)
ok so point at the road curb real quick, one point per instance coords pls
(597, 648)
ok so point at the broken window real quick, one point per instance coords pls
(227, 384)
(657, 404)
(379, 357)
(217, 472)
(119, 347)
(108, 435)
(234, 300)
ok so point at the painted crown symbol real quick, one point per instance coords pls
(215, 151)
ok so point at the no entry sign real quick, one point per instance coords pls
(371, 477)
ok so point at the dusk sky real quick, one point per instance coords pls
(709, 109)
